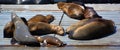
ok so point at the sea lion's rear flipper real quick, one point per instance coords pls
(22, 33)
(13, 41)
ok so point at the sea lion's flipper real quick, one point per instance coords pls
(13, 41)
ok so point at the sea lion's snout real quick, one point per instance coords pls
(60, 43)
(60, 31)
(13, 15)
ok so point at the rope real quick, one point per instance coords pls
(60, 22)
(61, 19)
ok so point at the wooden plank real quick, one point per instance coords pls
(65, 46)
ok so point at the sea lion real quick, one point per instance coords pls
(77, 10)
(9, 28)
(22, 35)
(71, 9)
(89, 29)
(40, 29)
(50, 41)
(45, 28)
(40, 18)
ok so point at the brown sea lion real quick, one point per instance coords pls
(89, 29)
(45, 28)
(71, 9)
(77, 11)
(39, 29)
(50, 41)
(9, 28)
(41, 18)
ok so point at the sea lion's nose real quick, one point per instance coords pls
(13, 15)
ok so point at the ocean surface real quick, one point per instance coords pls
(5, 16)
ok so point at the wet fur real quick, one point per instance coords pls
(45, 28)
(50, 41)
(91, 29)
(78, 10)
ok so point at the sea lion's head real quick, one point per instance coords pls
(58, 30)
(50, 18)
(73, 10)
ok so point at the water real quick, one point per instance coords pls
(110, 40)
